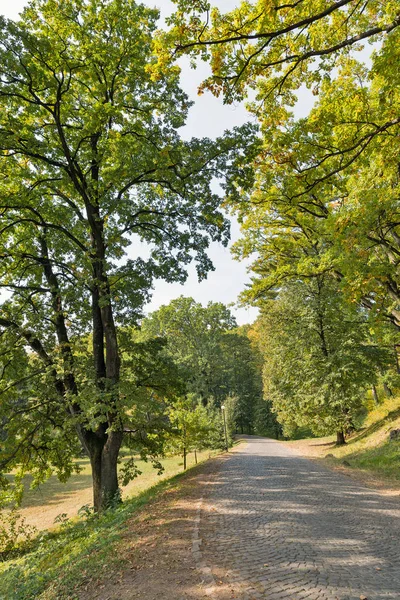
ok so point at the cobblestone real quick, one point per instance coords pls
(284, 528)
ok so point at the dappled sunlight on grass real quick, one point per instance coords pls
(42, 505)
(369, 449)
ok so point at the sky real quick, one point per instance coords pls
(208, 117)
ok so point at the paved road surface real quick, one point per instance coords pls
(285, 528)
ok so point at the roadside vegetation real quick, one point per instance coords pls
(58, 564)
(41, 507)
(369, 452)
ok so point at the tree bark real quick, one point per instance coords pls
(103, 451)
(109, 475)
(340, 440)
(106, 358)
(95, 462)
(195, 456)
(375, 394)
(396, 355)
(184, 459)
(388, 391)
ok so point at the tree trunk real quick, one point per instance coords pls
(195, 456)
(340, 438)
(388, 391)
(184, 459)
(375, 394)
(396, 355)
(95, 461)
(103, 460)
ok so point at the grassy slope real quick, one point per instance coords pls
(41, 506)
(368, 449)
(61, 560)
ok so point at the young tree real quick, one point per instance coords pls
(190, 424)
(91, 160)
(319, 359)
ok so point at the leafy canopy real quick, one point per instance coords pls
(91, 160)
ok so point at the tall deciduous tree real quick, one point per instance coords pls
(215, 357)
(91, 160)
(319, 358)
(194, 336)
(316, 208)
(326, 195)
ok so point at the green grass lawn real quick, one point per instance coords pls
(41, 506)
(369, 449)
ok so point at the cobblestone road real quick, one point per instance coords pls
(280, 527)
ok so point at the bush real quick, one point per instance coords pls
(15, 533)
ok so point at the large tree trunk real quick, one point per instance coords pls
(109, 476)
(103, 459)
(340, 438)
(95, 461)
(106, 361)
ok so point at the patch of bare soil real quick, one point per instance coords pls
(157, 562)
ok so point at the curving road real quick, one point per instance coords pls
(280, 527)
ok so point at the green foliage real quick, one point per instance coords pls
(92, 161)
(325, 198)
(326, 187)
(215, 359)
(194, 336)
(15, 533)
(219, 437)
(191, 424)
(280, 47)
(319, 357)
(265, 421)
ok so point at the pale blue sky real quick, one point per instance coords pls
(208, 117)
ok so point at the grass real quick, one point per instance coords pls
(60, 561)
(383, 460)
(369, 449)
(41, 506)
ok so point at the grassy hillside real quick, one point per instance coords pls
(369, 449)
(57, 564)
(41, 506)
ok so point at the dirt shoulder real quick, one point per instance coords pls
(321, 449)
(156, 557)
